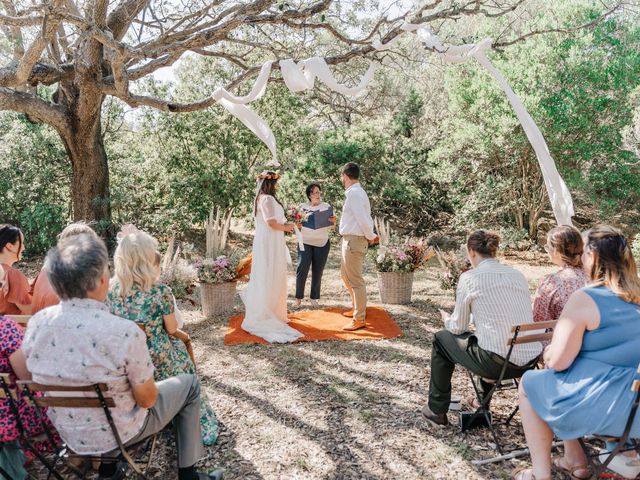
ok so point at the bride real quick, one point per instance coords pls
(265, 298)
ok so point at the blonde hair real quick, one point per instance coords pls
(613, 263)
(135, 262)
(77, 228)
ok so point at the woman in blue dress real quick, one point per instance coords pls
(591, 362)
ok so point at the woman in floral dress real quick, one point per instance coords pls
(137, 295)
(12, 361)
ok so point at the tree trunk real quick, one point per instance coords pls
(90, 183)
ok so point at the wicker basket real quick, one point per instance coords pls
(395, 287)
(218, 298)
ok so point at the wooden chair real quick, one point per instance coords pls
(545, 333)
(620, 441)
(73, 401)
(8, 393)
(20, 319)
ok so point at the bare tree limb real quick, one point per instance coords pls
(34, 107)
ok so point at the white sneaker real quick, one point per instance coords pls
(628, 467)
(314, 302)
(297, 303)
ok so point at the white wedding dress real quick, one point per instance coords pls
(265, 297)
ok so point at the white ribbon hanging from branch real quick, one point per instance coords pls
(301, 76)
(298, 77)
(559, 194)
(237, 106)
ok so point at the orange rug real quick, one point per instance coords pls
(324, 324)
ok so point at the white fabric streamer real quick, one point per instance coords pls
(256, 124)
(302, 75)
(559, 194)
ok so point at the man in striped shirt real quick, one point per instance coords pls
(495, 297)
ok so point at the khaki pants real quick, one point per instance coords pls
(354, 248)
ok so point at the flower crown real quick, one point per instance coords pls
(268, 176)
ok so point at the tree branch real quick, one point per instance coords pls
(604, 16)
(34, 107)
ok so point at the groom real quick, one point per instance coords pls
(356, 228)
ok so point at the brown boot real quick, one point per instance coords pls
(348, 313)
(439, 419)
(355, 325)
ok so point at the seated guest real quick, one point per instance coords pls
(591, 362)
(43, 294)
(136, 294)
(78, 342)
(564, 246)
(316, 248)
(14, 290)
(498, 297)
(12, 362)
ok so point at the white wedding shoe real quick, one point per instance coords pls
(314, 302)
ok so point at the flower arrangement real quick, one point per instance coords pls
(403, 258)
(454, 264)
(217, 270)
(297, 215)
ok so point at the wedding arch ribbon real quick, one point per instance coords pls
(559, 195)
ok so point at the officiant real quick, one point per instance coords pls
(315, 237)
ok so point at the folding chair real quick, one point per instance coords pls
(9, 394)
(621, 441)
(498, 383)
(97, 401)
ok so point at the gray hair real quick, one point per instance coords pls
(75, 265)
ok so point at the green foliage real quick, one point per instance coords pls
(34, 181)
(407, 118)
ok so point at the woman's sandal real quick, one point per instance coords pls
(571, 471)
(519, 474)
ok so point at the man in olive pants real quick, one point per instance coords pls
(356, 228)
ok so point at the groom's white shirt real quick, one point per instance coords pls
(356, 213)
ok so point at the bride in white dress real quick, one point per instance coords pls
(265, 297)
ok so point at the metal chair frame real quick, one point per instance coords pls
(621, 441)
(515, 339)
(99, 401)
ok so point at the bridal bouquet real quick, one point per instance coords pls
(297, 215)
(454, 264)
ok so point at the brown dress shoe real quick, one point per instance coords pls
(355, 325)
(348, 313)
(439, 419)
